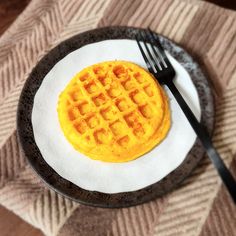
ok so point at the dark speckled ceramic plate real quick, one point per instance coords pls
(68, 189)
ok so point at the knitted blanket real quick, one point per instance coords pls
(201, 206)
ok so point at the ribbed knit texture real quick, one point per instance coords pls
(201, 206)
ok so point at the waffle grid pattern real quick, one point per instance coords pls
(113, 104)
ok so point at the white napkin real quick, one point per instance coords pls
(96, 175)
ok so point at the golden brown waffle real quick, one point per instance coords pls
(114, 111)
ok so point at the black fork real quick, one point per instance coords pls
(159, 65)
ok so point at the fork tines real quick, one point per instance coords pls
(153, 53)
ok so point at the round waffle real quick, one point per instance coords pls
(114, 111)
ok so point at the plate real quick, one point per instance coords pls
(114, 185)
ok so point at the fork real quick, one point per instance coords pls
(159, 65)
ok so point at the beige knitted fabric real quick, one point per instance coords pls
(201, 206)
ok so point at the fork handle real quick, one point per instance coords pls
(204, 137)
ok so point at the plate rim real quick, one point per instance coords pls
(93, 198)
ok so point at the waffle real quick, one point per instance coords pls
(114, 111)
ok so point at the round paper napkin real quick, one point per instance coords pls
(96, 175)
